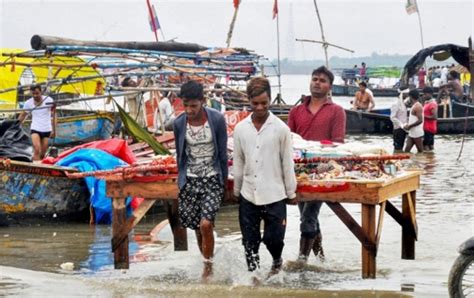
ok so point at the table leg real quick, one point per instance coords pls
(368, 254)
(408, 237)
(180, 237)
(119, 217)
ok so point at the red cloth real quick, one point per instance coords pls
(329, 123)
(116, 147)
(430, 125)
(421, 78)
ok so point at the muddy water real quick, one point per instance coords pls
(30, 257)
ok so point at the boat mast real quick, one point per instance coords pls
(278, 98)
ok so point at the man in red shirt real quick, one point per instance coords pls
(317, 118)
(430, 115)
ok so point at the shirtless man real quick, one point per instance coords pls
(457, 92)
(363, 99)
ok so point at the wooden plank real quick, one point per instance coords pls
(121, 258)
(142, 210)
(357, 193)
(408, 235)
(155, 190)
(180, 236)
(379, 226)
(351, 224)
(398, 188)
(411, 206)
(394, 213)
(368, 254)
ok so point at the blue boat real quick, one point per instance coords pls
(77, 127)
(31, 191)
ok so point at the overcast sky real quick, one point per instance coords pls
(381, 26)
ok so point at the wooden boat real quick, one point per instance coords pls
(78, 126)
(339, 90)
(373, 123)
(31, 191)
(460, 109)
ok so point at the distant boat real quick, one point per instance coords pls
(373, 123)
(31, 191)
(460, 109)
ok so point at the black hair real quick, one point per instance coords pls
(414, 94)
(191, 90)
(363, 84)
(325, 71)
(34, 87)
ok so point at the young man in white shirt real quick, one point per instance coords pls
(264, 176)
(43, 121)
(164, 115)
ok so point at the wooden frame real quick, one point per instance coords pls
(367, 193)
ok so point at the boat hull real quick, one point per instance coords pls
(363, 122)
(461, 109)
(77, 127)
(34, 191)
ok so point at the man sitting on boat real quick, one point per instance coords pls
(43, 121)
(363, 99)
(455, 86)
(164, 115)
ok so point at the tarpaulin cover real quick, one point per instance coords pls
(117, 147)
(15, 142)
(87, 160)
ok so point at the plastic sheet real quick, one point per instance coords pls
(15, 142)
(86, 160)
(117, 147)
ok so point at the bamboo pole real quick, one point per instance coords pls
(325, 45)
(232, 24)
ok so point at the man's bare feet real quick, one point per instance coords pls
(276, 267)
(206, 271)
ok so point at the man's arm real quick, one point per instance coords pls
(221, 131)
(393, 113)
(22, 116)
(355, 103)
(54, 122)
(371, 102)
(338, 131)
(288, 167)
(238, 164)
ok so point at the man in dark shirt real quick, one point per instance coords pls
(316, 119)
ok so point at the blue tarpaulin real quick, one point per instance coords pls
(87, 160)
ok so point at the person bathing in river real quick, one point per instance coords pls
(430, 116)
(363, 99)
(415, 123)
(201, 149)
(264, 176)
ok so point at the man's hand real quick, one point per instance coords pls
(52, 134)
(293, 201)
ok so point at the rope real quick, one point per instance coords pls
(464, 134)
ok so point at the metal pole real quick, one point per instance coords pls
(278, 53)
(421, 28)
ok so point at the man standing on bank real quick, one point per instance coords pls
(201, 148)
(316, 119)
(264, 176)
(43, 121)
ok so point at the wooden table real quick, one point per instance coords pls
(367, 193)
(370, 194)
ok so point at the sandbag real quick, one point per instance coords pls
(15, 142)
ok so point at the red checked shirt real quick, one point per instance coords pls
(329, 122)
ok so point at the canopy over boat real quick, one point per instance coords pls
(440, 53)
(43, 69)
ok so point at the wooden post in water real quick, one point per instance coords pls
(119, 217)
(369, 267)
(180, 236)
(409, 226)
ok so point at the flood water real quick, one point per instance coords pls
(30, 256)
